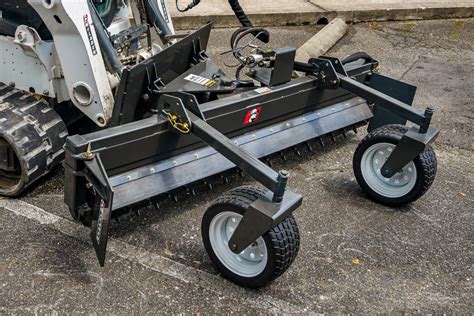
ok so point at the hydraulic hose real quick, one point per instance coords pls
(240, 13)
(157, 19)
(356, 57)
(111, 57)
(244, 31)
(304, 67)
(245, 21)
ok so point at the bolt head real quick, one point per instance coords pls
(284, 173)
(386, 171)
(21, 37)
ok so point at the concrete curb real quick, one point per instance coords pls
(321, 14)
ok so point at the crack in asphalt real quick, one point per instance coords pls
(317, 6)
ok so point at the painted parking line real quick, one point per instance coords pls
(153, 261)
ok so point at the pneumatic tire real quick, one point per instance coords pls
(262, 262)
(408, 185)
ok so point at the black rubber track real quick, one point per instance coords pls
(284, 239)
(35, 132)
(426, 165)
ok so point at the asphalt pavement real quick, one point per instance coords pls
(356, 256)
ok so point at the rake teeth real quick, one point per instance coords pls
(296, 150)
(321, 142)
(225, 179)
(344, 133)
(189, 190)
(268, 162)
(304, 149)
(173, 197)
(209, 185)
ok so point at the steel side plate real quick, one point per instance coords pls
(100, 231)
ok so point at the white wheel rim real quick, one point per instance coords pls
(395, 187)
(250, 262)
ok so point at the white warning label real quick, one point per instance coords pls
(263, 90)
(201, 80)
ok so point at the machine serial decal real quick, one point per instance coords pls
(165, 11)
(201, 80)
(252, 116)
(89, 34)
(263, 90)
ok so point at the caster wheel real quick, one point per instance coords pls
(263, 261)
(408, 185)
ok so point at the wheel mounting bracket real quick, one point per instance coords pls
(260, 217)
(410, 146)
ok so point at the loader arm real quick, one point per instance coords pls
(80, 55)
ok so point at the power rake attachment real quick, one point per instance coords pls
(149, 115)
(201, 124)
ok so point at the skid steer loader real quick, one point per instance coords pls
(136, 111)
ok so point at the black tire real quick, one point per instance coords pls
(425, 165)
(282, 242)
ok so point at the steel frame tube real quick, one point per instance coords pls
(393, 105)
(276, 182)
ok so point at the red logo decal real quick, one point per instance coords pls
(252, 116)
